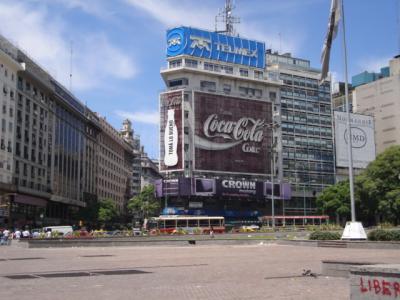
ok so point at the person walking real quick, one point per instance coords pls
(6, 235)
(212, 232)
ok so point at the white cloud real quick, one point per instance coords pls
(44, 38)
(373, 64)
(152, 118)
(169, 14)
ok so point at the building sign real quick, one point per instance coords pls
(239, 188)
(171, 146)
(231, 134)
(216, 46)
(281, 190)
(363, 139)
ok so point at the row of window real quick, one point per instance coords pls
(303, 117)
(303, 166)
(214, 67)
(299, 141)
(314, 154)
(305, 105)
(305, 94)
(306, 178)
(307, 130)
(305, 82)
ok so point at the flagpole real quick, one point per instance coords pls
(348, 126)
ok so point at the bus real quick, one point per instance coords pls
(191, 224)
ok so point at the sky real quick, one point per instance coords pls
(119, 46)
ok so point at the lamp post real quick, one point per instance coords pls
(273, 126)
(304, 192)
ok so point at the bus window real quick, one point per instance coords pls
(215, 222)
(170, 223)
(193, 223)
(182, 223)
(205, 223)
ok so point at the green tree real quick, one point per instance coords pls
(380, 184)
(377, 192)
(335, 201)
(145, 204)
(107, 211)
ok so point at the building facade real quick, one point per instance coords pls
(134, 140)
(381, 99)
(150, 173)
(115, 166)
(58, 147)
(307, 138)
(219, 126)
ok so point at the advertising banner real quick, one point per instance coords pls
(232, 134)
(215, 46)
(171, 145)
(363, 139)
(239, 188)
(281, 190)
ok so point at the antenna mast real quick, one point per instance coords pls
(70, 68)
(225, 16)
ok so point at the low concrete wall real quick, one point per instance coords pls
(338, 268)
(111, 242)
(375, 282)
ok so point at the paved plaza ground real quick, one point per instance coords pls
(264, 271)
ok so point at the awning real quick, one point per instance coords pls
(35, 201)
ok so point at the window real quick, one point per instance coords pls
(208, 85)
(227, 88)
(258, 75)
(178, 82)
(175, 63)
(191, 63)
(244, 72)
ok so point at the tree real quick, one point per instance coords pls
(335, 201)
(377, 192)
(145, 204)
(380, 185)
(107, 211)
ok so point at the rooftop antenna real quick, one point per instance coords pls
(280, 43)
(225, 16)
(70, 67)
(398, 25)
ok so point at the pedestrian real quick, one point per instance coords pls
(6, 235)
(17, 234)
(1, 237)
(212, 232)
(26, 234)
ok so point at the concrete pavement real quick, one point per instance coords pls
(264, 271)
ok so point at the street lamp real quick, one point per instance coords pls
(273, 126)
(304, 191)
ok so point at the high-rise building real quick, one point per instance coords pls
(57, 146)
(307, 140)
(115, 161)
(381, 99)
(217, 119)
(339, 97)
(134, 140)
(150, 172)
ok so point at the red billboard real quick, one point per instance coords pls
(232, 134)
(171, 131)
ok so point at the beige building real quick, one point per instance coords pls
(115, 159)
(8, 85)
(381, 99)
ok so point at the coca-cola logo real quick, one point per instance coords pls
(245, 130)
(172, 101)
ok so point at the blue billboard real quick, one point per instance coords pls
(215, 46)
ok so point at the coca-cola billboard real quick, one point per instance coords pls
(171, 145)
(232, 134)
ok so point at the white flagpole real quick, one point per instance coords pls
(349, 139)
